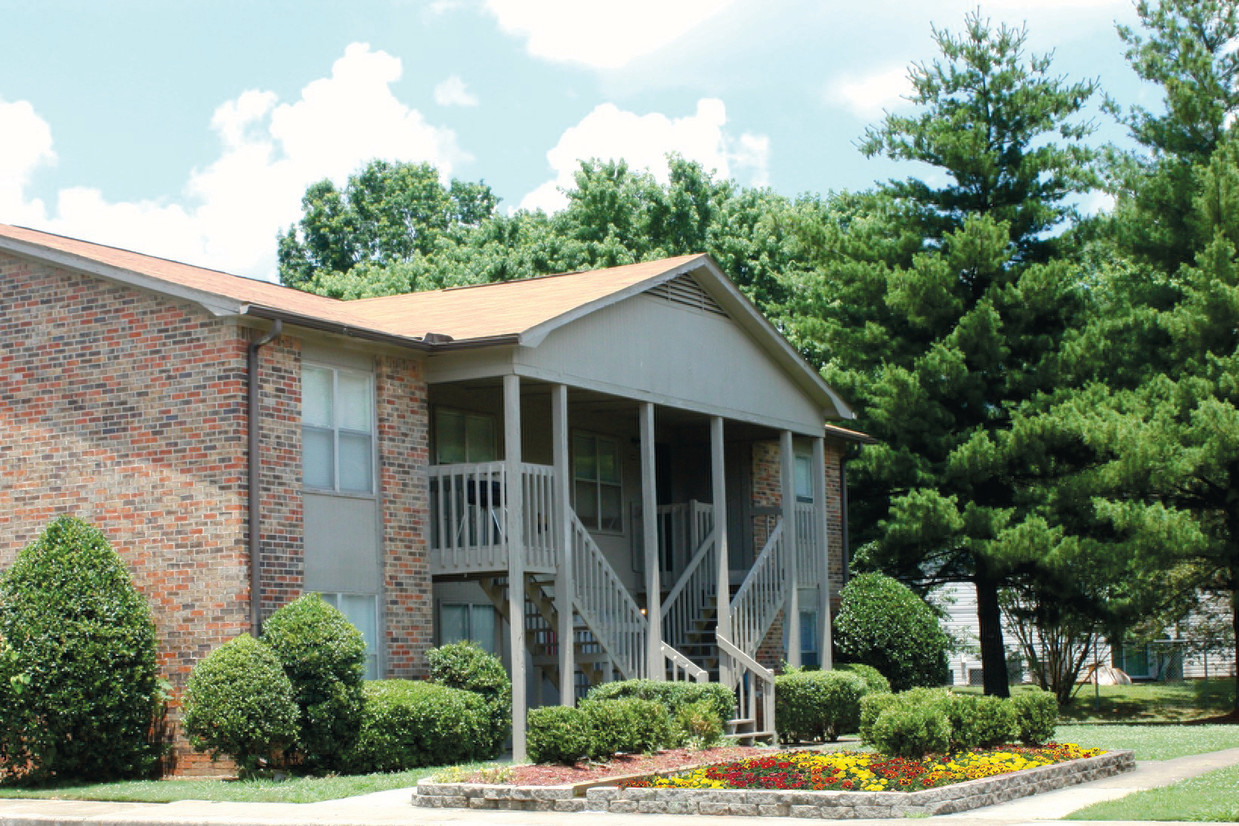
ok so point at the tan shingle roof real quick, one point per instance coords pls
(482, 312)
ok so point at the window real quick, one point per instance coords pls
(597, 494)
(460, 621)
(464, 437)
(363, 611)
(337, 430)
(803, 477)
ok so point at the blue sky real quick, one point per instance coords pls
(191, 129)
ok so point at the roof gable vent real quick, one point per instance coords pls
(686, 291)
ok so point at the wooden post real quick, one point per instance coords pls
(565, 587)
(719, 488)
(649, 525)
(823, 594)
(514, 524)
(791, 614)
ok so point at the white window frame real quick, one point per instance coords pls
(335, 429)
(598, 483)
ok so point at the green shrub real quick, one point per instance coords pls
(239, 703)
(875, 683)
(871, 705)
(912, 730)
(466, 666)
(673, 695)
(882, 623)
(1036, 716)
(78, 669)
(817, 705)
(407, 724)
(557, 734)
(324, 657)
(697, 725)
(629, 725)
(980, 722)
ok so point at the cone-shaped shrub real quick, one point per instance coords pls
(78, 687)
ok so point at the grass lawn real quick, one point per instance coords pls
(1143, 702)
(1210, 797)
(295, 790)
(1151, 742)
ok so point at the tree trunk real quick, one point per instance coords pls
(993, 652)
(1234, 624)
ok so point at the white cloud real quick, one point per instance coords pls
(868, 96)
(229, 212)
(27, 146)
(601, 35)
(453, 92)
(609, 133)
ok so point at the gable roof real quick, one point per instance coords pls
(514, 312)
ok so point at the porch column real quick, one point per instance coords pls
(719, 494)
(514, 524)
(791, 614)
(823, 591)
(649, 530)
(565, 587)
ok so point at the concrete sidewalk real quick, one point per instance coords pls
(394, 806)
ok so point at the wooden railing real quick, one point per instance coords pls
(606, 606)
(811, 548)
(761, 595)
(681, 669)
(469, 517)
(754, 684)
(681, 527)
(694, 596)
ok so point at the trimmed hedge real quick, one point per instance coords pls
(239, 703)
(980, 722)
(817, 705)
(875, 683)
(407, 724)
(1036, 716)
(557, 734)
(78, 688)
(464, 665)
(324, 657)
(909, 730)
(673, 695)
(697, 725)
(628, 725)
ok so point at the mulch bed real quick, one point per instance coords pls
(624, 764)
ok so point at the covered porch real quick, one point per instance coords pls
(547, 485)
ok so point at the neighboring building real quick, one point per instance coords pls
(1171, 658)
(417, 453)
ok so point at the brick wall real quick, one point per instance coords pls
(404, 454)
(127, 410)
(281, 539)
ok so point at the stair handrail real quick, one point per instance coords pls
(682, 668)
(747, 702)
(605, 605)
(693, 594)
(761, 595)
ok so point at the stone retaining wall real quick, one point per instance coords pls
(947, 800)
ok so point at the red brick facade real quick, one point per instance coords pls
(128, 409)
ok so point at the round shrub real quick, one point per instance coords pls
(912, 731)
(557, 734)
(871, 705)
(239, 704)
(324, 657)
(629, 725)
(817, 705)
(980, 722)
(884, 624)
(875, 683)
(673, 695)
(407, 724)
(697, 724)
(78, 668)
(466, 666)
(1036, 715)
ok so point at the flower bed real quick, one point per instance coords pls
(958, 796)
(847, 771)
